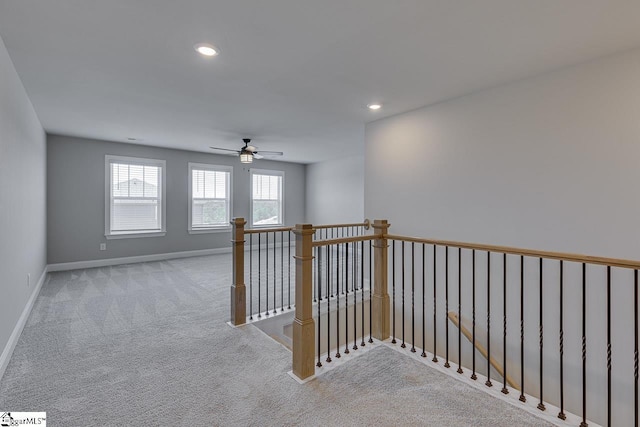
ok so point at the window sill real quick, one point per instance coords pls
(210, 230)
(279, 225)
(135, 235)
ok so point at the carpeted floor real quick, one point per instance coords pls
(147, 344)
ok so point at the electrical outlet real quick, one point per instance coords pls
(28, 280)
(103, 246)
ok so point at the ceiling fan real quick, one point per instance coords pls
(249, 152)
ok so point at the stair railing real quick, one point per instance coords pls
(413, 278)
(264, 254)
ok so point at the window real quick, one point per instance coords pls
(135, 197)
(209, 198)
(267, 197)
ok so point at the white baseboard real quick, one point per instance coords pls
(22, 321)
(78, 265)
(65, 266)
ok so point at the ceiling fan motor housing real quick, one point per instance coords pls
(249, 152)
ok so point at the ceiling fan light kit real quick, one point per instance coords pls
(249, 152)
(246, 157)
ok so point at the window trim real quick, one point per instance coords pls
(270, 172)
(162, 164)
(212, 167)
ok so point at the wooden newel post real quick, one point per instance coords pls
(303, 324)
(238, 289)
(380, 313)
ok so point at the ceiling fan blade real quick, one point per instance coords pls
(257, 156)
(224, 149)
(270, 153)
(251, 148)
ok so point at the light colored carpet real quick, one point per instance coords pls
(147, 344)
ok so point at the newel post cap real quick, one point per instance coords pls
(381, 224)
(238, 222)
(304, 229)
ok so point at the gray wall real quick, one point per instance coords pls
(547, 163)
(75, 199)
(335, 191)
(22, 198)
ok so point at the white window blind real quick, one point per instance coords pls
(135, 196)
(267, 197)
(210, 194)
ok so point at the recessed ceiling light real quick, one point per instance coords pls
(206, 49)
(374, 106)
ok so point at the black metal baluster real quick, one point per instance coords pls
(338, 260)
(354, 266)
(346, 298)
(561, 414)
(635, 344)
(424, 319)
(331, 287)
(393, 287)
(329, 269)
(435, 318)
(329, 284)
(541, 404)
(338, 301)
(282, 271)
(362, 292)
(413, 291)
(315, 283)
(259, 275)
(609, 345)
(403, 345)
(250, 276)
(488, 382)
(275, 273)
(459, 310)
(370, 290)
(344, 232)
(267, 272)
(319, 285)
(289, 267)
(473, 315)
(446, 305)
(584, 346)
(319, 296)
(522, 397)
(504, 390)
(354, 287)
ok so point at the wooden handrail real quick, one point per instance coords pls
(613, 262)
(317, 243)
(366, 223)
(454, 319)
(267, 230)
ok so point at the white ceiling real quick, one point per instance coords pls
(296, 75)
